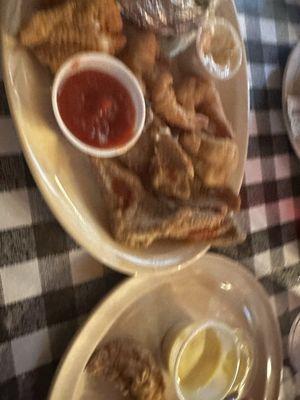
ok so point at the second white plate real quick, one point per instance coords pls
(145, 307)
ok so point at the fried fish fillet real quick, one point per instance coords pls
(54, 54)
(140, 53)
(196, 94)
(130, 367)
(172, 168)
(191, 141)
(165, 104)
(158, 159)
(138, 158)
(216, 160)
(77, 25)
(139, 218)
(227, 234)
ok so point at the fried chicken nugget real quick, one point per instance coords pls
(203, 96)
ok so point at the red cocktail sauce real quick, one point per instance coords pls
(97, 109)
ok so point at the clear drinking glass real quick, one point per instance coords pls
(294, 343)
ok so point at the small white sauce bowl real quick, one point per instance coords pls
(118, 70)
(213, 70)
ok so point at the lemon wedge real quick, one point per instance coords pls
(200, 360)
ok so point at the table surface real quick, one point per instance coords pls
(48, 284)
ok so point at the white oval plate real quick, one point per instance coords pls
(291, 85)
(145, 307)
(62, 173)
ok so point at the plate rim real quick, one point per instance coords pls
(105, 306)
(125, 264)
(284, 94)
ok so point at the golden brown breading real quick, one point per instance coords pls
(172, 168)
(216, 159)
(141, 51)
(130, 367)
(78, 25)
(227, 234)
(51, 3)
(165, 104)
(139, 218)
(42, 23)
(203, 96)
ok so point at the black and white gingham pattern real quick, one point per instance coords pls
(48, 285)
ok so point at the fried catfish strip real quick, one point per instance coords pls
(191, 141)
(43, 22)
(52, 3)
(221, 196)
(130, 367)
(53, 54)
(165, 104)
(216, 159)
(172, 168)
(203, 96)
(140, 53)
(227, 234)
(138, 158)
(139, 218)
(78, 25)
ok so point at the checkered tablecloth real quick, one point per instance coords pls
(48, 284)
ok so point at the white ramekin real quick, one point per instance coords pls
(178, 338)
(208, 70)
(114, 67)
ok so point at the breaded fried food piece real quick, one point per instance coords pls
(203, 96)
(138, 158)
(140, 53)
(172, 168)
(77, 25)
(52, 3)
(130, 367)
(216, 159)
(165, 104)
(190, 141)
(139, 218)
(43, 22)
(53, 54)
(104, 14)
(227, 234)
